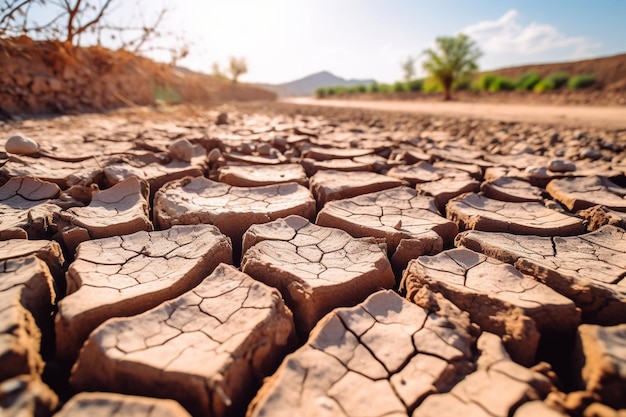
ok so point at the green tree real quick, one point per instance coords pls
(408, 69)
(452, 59)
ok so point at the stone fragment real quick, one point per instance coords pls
(581, 193)
(410, 224)
(103, 404)
(447, 188)
(26, 302)
(21, 145)
(379, 358)
(207, 349)
(476, 212)
(119, 210)
(496, 390)
(273, 159)
(588, 269)
(21, 198)
(260, 175)
(497, 297)
(537, 409)
(315, 268)
(512, 190)
(600, 361)
(126, 275)
(598, 216)
(231, 209)
(26, 396)
(214, 155)
(336, 185)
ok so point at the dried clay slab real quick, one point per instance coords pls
(496, 389)
(497, 296)
(119, 210)
(410, 224)
(325, 154)
(311, 166)
(126, 275)
(260, 175)
(231, 209)
(422, 172)
(20, 197)
(379, 358)
(582, 193)
(48, 251)
(315, 268)
(26, 395)
(445, 189)
(26, 304)
(600, 360)
(477, 212)
(207, 349)
(588, 269)
(106, 404)
(512, 190)
(336, 185)
(64, 174)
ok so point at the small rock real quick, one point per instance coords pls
(222, 119)
(264, 149)
(182, 150)
(590, 153)
(537, 171)
(561, 165)
(21, 145)
(214, 155)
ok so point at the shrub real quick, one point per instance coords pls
(385, 88)
(527, 81)
(462, 84)
(558, 78)
(431, 85)
(501, 83)
(544, 85)
(321, 92)
(415, 85)
(374, 87)
(398, 87)
(484, 82)
(581, 81)
(361, 88)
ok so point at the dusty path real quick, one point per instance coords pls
(604, 117)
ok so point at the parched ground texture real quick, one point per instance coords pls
(269, 259)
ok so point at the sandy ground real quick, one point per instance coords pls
(603, 117)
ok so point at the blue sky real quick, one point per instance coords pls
(283, 40)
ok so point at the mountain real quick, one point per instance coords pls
(306, 86)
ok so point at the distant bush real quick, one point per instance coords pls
(431, 85)
(321, 92)
(484, 82)
(581, 81)
(527, 81)
(398, 87)
(463, 84)
(385, 88)
(415, 85)
(558, 78)
(544, 85)
(501, 83)
(374, 87)
(361, 89)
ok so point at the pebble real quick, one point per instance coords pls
(561, 165)
(181, 150)
(21, 145)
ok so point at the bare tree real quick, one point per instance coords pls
(408, 68)
(236, 68)
(73, 18)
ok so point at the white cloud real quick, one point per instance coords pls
(508, 35)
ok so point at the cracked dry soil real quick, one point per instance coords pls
(278, 260)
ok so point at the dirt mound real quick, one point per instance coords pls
(50, 76)
(609, 71)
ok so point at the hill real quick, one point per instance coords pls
(52, 77)
(609, 71)
(306, 86)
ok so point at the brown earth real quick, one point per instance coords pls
(52, 77)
